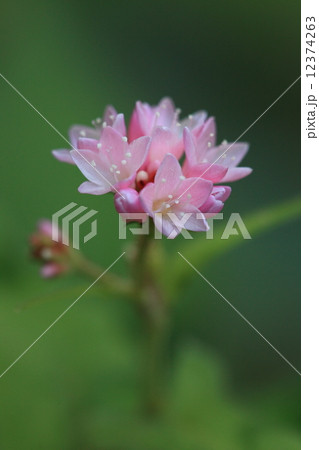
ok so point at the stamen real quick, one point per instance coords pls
(83, 133)
(99, 145)
(181, 177)
(128, 154)
(123, 162)
(163, 180)
(124, 139)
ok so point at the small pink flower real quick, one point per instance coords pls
(162, 123)
(206, 160)
(215, 202)
(127, 203)
(111, 163)
(53, 255)
(76, 132)
(171, 196)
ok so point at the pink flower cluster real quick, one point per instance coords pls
(142, 167)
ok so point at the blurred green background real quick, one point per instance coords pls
(78, 386)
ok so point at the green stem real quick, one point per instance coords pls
(113, 283)
(152, 306)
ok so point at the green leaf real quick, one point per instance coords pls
(201, 250)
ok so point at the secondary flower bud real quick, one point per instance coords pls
(53, 255)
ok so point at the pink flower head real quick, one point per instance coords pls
(206, 160)
(172, 196)
(143, 171)
(53, 255)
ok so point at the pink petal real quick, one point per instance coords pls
(196, 222)
(236, 173)
(221, 192)
(228, 154)
(167, 177)
(77, 131)
(87, 144)
(94, 168)
(144, 116)
(171, 224)
(207, 171)
(167, 112)
(135, 131)
(119, 124)
(152, 167)
(126, 158)
(91, 188)
(190, 147)
(206, 138)
(194, 191)
(113, 144)
(109, 115)
(194, 121)
(211, 207)
(138, 150)
(114, 148)
(63, 155)
(166, 226)
(163, 141)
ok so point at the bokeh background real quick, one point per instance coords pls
(78, 387)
